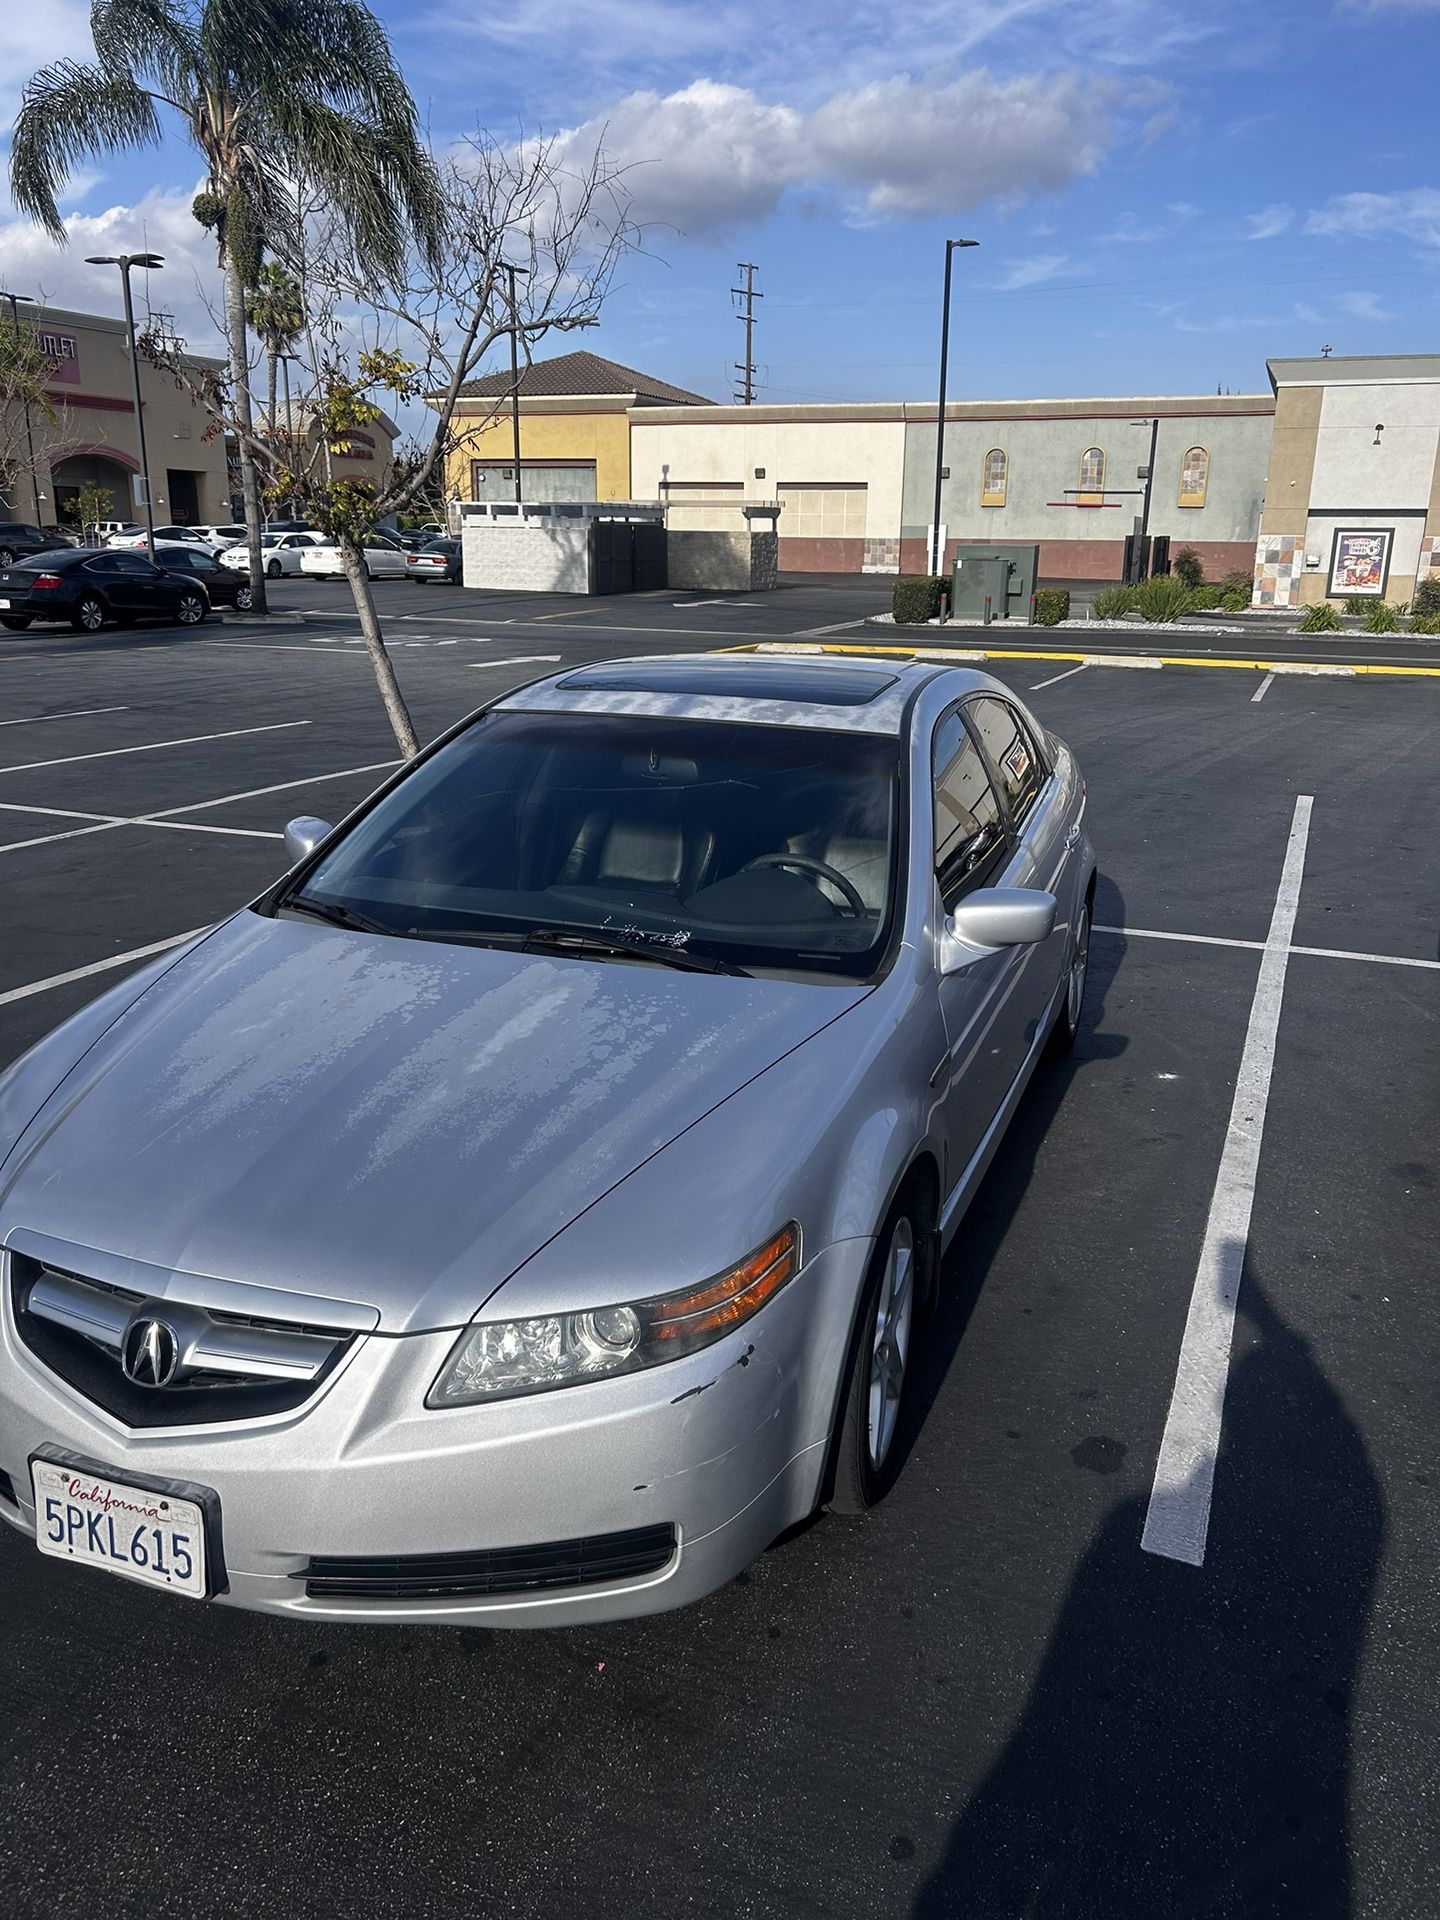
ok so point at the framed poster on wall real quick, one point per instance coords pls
(1360, 562)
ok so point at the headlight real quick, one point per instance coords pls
(498, 1359)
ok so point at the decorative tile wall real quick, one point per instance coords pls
(881, 556)
(1279, 563)
(1428, 566)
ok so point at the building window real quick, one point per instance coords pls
(814, 511)
(1092, 476)
(1194, 477)
(996, 474)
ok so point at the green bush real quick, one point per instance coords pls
(1187, 567)
(1205, 599)
(1425, 622)
(1239, 581)
(1321, 618)
(1236, 599)
(1163, 598)
(1113, 603)
(1427, 598)
(1381, 617)
(916, 598)
(1052, 605)
(1358, 603)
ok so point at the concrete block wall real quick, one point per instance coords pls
(552, 557)
(721, 562)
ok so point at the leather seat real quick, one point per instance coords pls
(863, 862)
(647, 848)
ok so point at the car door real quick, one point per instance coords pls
(973, 848)
(124, 579)
(1046, 850)
(384, 559)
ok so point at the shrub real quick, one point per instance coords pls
(916, 598)
(1052, 605)
(1425, 623)
(1321, 618)
(1205, 599)
(1113, 603)
(1358, 603)
(1163, 598)
(1239, 581)
(1236, 599)
(1187, 567)
(1427, 598)
(1381, 617)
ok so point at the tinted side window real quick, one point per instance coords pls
(129, 563)
(1013, 754)
(969, 828)
(106, 564)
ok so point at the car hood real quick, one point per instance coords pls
(395, 1123)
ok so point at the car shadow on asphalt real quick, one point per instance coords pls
(1185, 1748)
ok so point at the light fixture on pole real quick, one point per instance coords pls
(18, 300)
(937, 557)
(125, 261)
(1140, 566)
(506, 267)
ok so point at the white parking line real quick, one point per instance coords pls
(1055, 679)
(75, 713)
(97, 966)
(1178, 1519)
(1258, 946)
(813, 633)
(1262, 689)
(520, 660)
(154, 746)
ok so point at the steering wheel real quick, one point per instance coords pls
(813, 870)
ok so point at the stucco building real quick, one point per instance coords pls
(93, 440)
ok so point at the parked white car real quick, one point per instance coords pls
(383, 560)
(176, 536)
(281, 552)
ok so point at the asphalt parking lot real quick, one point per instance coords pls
(1031, 1684)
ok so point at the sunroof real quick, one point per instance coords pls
(795, 681)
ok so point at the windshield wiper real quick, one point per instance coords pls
(336, 916)
(609, 947)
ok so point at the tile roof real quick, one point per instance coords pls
(579, 374)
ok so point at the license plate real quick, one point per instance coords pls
(157, 1538)
(4, 603)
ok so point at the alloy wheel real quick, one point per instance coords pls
(1079, 962)
(191, 610)
(890, 1342)
(274, 570)
(7, 558)
(244, 600)
(91, 615)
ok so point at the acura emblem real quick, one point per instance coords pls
(150, 1354)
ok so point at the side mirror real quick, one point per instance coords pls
(302, 836)
(995, 917)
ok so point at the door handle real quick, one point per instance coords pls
(1073, 836)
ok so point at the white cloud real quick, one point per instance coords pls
(1032, 272)
(713, 156)
(1390, 6)
(1411, 215)
(1362, 306)
(34, 36)
(1269, 221)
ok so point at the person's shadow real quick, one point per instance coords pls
(1185, 1749)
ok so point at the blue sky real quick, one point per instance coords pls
(1164, 196)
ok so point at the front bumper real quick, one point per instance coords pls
(727, 1446)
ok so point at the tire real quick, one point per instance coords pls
(191, 609)
(7, 557)
(1067, 1021)
(244, 599)
(89, 616)
(16, 622)
(274, 570)
(867, 1460)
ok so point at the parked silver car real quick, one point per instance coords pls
(522, 1212)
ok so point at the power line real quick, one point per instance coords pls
(745, 385)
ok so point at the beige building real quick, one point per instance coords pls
(1352, 495)
(92, 436)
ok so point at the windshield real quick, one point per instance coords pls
(755, 846)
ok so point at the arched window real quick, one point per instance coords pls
(1092, 476)
(1194, 477)
(996, 473)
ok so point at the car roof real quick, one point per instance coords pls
(853, 694)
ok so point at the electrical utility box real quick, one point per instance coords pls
(1004, 575)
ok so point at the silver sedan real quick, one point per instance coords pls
(524, 1211)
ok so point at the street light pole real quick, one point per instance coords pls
(125, 261)
(936, 555)
(17, 299)
(1142, 557)
(515, 371)
(285, 359)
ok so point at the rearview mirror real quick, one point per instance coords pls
(995, 917)
(302, 836)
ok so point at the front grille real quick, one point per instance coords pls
(596, 1561)
(73, 1324)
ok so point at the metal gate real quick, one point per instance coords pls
(629, 555)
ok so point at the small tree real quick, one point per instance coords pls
(93, 503)
(1187, 567)
(32, 423)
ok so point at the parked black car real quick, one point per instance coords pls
(224, 586)
(18, 540)
(88, 587)
(436, 560)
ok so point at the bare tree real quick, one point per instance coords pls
(35, 423)
(417, 340)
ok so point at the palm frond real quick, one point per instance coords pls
(148, 38)
(380, 182)
(71, 112)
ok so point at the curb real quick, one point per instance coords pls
(1308, 669)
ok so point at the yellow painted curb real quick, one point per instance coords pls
(1315, 669)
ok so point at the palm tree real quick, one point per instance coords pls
(269, 92)
(276, 310)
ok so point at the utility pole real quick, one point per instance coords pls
(746, 367)
(16, 300)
